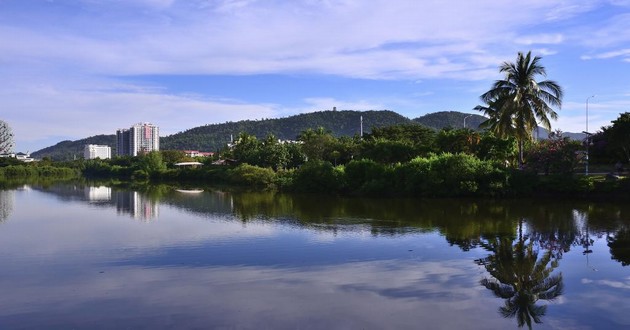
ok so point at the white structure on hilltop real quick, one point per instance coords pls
(6, 138)
(140, 138)
(93, 151)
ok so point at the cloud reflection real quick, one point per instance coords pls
(370, 295)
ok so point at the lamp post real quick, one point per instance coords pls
(588, 136)
(465, 120)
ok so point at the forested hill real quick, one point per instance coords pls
(453, 119)
(340, 123)
(215, 136)
(68, 150)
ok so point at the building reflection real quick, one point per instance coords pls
(6, 204)
(98, 194)
(137, 205)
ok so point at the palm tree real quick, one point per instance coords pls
(517, 103)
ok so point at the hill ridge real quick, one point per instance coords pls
(212, 137)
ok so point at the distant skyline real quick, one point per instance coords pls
(76, 68)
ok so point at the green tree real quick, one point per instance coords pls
(458, 141)
(517, 103)
(317, 144)
(151, 162)
(274, 154)
(247, 149)
(387, 151)
(492, 147)
(174, 156)
(618, 137)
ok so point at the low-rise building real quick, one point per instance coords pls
(197, 153)
(93, 151)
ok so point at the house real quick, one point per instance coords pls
(24, 157)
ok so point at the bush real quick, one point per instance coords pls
(318, 176)
(359, 173)
(450, 175)
(250, 175)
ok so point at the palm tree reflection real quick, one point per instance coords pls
(521, 278)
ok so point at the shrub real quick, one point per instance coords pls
(250, 175)
(318, 176)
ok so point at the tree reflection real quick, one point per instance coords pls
(521, 278)
(619, 245)
(6, 204)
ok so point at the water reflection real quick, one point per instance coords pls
(137, 205)
(6, 204)
(214, 254)
(619, 244)
(521, 278)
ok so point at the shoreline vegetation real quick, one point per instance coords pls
(432, 176)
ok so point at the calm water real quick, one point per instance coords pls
(81, 257)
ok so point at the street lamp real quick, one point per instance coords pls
(465, 120)
(588, 135)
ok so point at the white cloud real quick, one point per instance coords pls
(545, 38)
(608, 55)
(102, 107)
(349, 38)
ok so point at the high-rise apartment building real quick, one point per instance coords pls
(140, 138)
(93, 151)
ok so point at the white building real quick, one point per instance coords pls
(140, 138)
(93, 151)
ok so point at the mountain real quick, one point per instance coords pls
(67, 150)
(214, 136)
(341, 123)
(453, 119)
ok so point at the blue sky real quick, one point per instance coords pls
(73, 69)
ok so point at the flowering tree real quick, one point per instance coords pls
(555, 155)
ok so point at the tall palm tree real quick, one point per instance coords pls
(517, 103)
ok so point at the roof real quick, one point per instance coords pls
(188, 164)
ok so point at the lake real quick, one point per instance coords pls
(75, 256)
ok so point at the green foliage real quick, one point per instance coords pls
(318, 176)
(365, 176)
(250, 175)
(388, 151)
(421, 137)
(151, 162)
(457, 141)
(171, 157)
(617, 137)
(450, 175)
(7, 161)
(31, 171)
(494, 148)
(317, 144)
